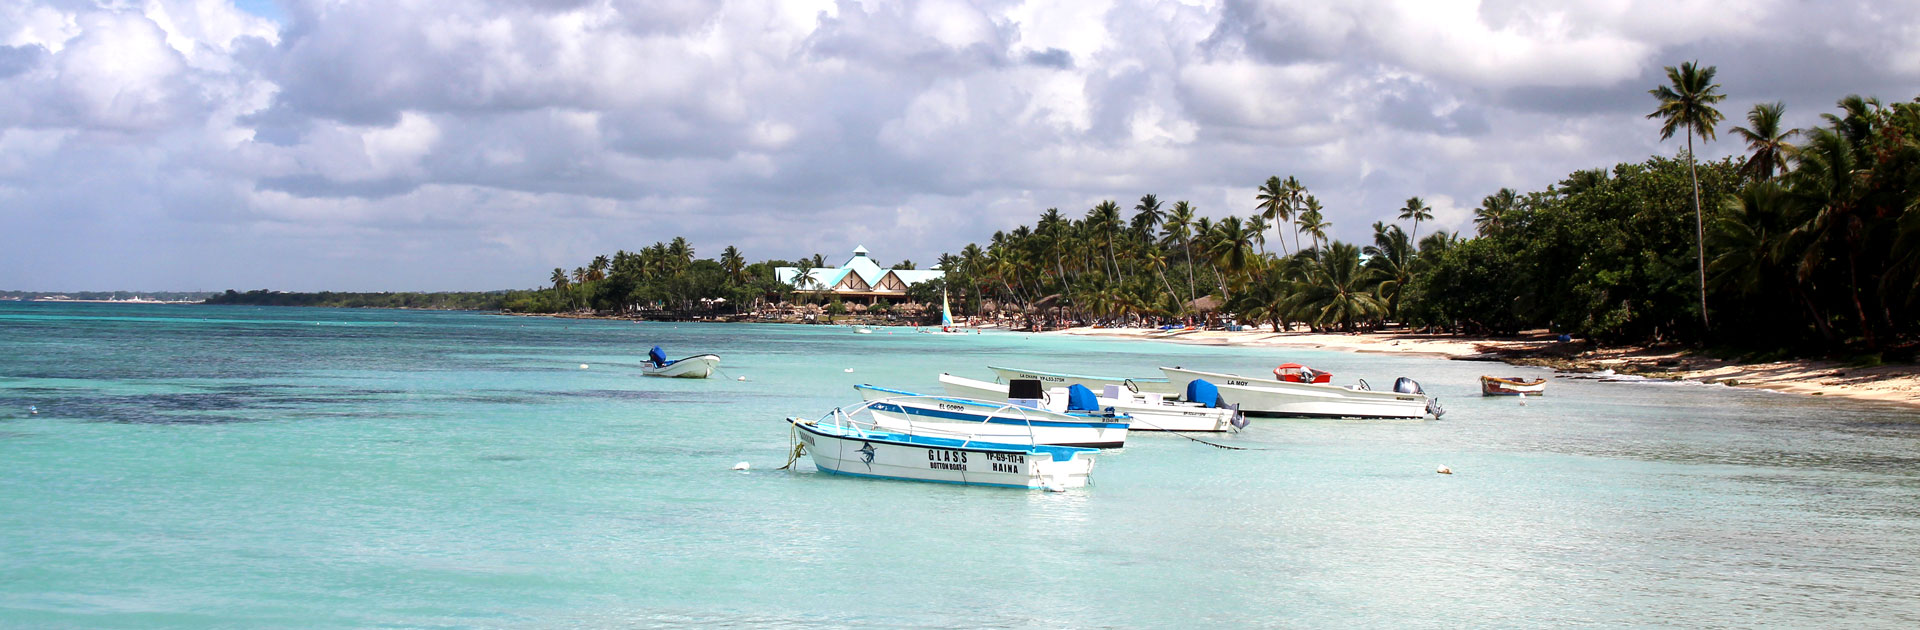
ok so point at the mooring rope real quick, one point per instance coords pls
(796, 446)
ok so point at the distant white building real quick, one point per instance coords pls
(859, 280)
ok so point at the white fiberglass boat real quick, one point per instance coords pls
(846, 443)
(1271, 397)
(1150, 412)
(1145, 385)
(993, 421)
(697, 366)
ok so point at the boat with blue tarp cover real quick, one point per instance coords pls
(696, 366)
(1085, 425)
(843, 443)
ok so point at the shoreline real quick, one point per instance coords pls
(1895, 383)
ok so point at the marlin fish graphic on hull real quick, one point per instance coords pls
(866, 455)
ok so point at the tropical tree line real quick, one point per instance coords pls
(663, 276)
(1809, 242)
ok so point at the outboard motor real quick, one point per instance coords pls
(658, 356)
(1239, 420)
(1203, 392)
(1433, 407)
(1079, 398)
(1025, 392)
(1406, 385)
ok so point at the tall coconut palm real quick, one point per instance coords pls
(1232, 250)
(1104, 219)
(1767, 141)
(1312, 222)
(733, 264)
(559, 279)
(1147, 217)
(1276, 206)
(1391, 257)
(1257, 229)
(1296, 198)
(1418, 211)
(1180, 224)
(1687, 104)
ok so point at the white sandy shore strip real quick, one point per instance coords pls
(1889, 383)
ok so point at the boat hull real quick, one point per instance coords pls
(885, 455)
(1280, 399)
(990, 421)
(1495, 386)
(1150, 385)
(1147, 416)
(701, 366)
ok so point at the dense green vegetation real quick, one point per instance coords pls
(662, 280)
(450, 301)
(1807, 247)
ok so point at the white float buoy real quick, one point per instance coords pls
(742, 379)
(1444, 470)
(742, 466)
(583, 366)
(848, 370)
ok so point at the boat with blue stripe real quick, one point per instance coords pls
(842, 444)
(995, 421)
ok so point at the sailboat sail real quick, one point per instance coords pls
(946, 312)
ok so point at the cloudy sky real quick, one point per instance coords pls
(477, 144)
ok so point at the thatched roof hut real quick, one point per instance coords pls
(1204, 304)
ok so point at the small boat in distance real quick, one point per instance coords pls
(1514, 386)
(847, 441)
(697, 366)
(947, 326)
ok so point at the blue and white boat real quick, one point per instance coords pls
(841, 444)
(1084, 425)
(697, 366)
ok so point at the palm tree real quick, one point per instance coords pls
(1147, 217)
(1312, 222)
(1338, 289)
(1276, 205)
(1687, 103)
(559, 279)
(1391, 257)
(1232, 249)
(597, 270)
(1257, 227)
(1104, 219)
(1768, 143)
(1418, 211)
(1296, 195)
(1180, 224)
(733, 264)
(1493, 210)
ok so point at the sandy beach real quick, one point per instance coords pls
(1899, 383)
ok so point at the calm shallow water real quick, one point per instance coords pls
(238, 467)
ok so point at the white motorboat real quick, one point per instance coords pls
(697, 366)
(993, 421)
(1150, 411)
(1512, 386)
(847, 441)
(1147, 384)
(1271, 397)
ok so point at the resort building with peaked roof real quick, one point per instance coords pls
(859, 280)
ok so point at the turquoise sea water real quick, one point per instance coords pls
(237, 467)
